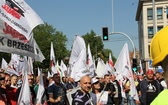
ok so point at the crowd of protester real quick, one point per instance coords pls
(87, 91)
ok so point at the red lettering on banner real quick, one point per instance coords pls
(15, 34)
(11, 11)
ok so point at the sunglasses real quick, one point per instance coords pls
(96, 82)
(7, 80)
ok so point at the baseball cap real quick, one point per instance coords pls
(94, 80)
(150, 72)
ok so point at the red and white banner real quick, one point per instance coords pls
(11, 41)
(19, 15)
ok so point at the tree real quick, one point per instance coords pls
(106, 52)
(43, 35)
(6, 56)
(96, 44)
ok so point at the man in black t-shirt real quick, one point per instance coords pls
(57, 92)
(149, 88)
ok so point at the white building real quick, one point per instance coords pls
(146, 20)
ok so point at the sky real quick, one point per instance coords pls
(78, 17)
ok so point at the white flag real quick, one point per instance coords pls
(78, 59)
(4, 64)
(52, 60)
(108, 68)
(123, 66)
(19, 15)
(100, 70)
(30, 66)
(41, 89)
(21, 61)
(141, 69)
(111, 62)
(38, 71)
(38, 54)
(11, 41)
(49, 75)
(63, 68)
(25, 97)
(90, 63)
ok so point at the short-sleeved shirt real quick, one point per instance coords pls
(151, 92)
(58, 91)
(80, 98)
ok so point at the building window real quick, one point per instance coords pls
(159, 28)
(150, 32)
(159, 13)
(150, 14)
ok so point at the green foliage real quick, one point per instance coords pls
(44, 35)
(6, 56)
(97, 46)
(105, 53)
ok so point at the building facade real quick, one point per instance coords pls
(149, 22)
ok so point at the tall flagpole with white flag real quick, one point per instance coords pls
(90, 63)
(52, 60)
(77, 59)
(4, 64)
(30, 66)
(25, 95)
(123, 68)
(141, 69)
(111, 61)
(100, 72)
(41, 89)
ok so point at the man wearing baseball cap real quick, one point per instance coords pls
(149, 88)
(159, 56)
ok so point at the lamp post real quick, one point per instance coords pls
(154, 17)
(121, 33)
(128, 38)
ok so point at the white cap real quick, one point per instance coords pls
(94, 80)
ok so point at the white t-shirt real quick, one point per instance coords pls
(102, 97)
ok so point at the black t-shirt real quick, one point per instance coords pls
(58, 91)
(80, 98)
(151, 92)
